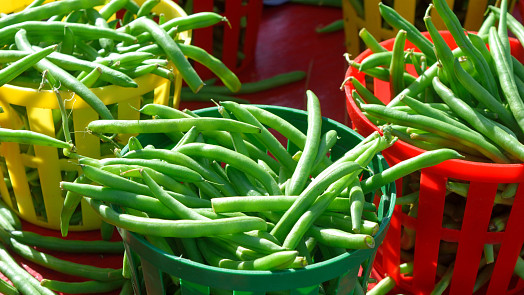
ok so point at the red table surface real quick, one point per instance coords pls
(287, 41)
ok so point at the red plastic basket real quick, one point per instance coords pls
(234, 44)
(483, 179)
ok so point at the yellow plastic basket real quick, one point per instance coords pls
(411, 10)
(28, 169)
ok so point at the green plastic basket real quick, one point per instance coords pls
(150, 265)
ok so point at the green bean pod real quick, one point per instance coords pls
(337, 238)
(438, 127)
(171, 49)
(413, 34)
(170, 125)
(64, 266)
(426, 159)
(485, 126)
(507, 79)
(47, 10)
(94, 287)
(65, 78)
(305, 164)
(177, 228)
(234, 159)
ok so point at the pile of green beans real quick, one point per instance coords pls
(469, 99)
(37, 248)
(245, 201)
(82, 46)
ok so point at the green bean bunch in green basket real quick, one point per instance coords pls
(468, 99)
(228, 193)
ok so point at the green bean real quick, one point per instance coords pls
(148, 204)
(455, 28)
(65, 78)
(309, 195)
(34, 3)
(384, 59)
(21, 65)
(426, 159)
(174, 205)
(201, 56)
(383, 286)
(222, 137)
(305, 220)
(178, 172)
(485, 126)
(507, 79)
(370, 41)
(445, 58)
(163, 179)
(94, 287)
(338, 238)
(343, 222)
(177, 228)
(444, 281)
(234, 159)
(111, 7)
(64, 266)
(7, 289)
(519, 267)
(483, 96)
(440, 128)
(440, 141)
(90, 79)
(265, 137)
(430, 111)
(305, 164)
(178, 158)
(242, 183)
(461, 189)
(71, 201)
(21, 279)
(124, 59)
(52, 243)
(98, 20)
(364, 93)
(110, 75)
(356, 201)
(140, 70)
(333, 26)
(171, 49)
(55, 29)
(170, 125)
(31, 137)
(260, 85)
(146, 7)
(47, 10)
(514, 25)
(10, 216)
(412, 33)
(397, 64)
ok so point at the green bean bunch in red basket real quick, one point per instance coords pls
(447, 89)
(467, 98)
(227, 192)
